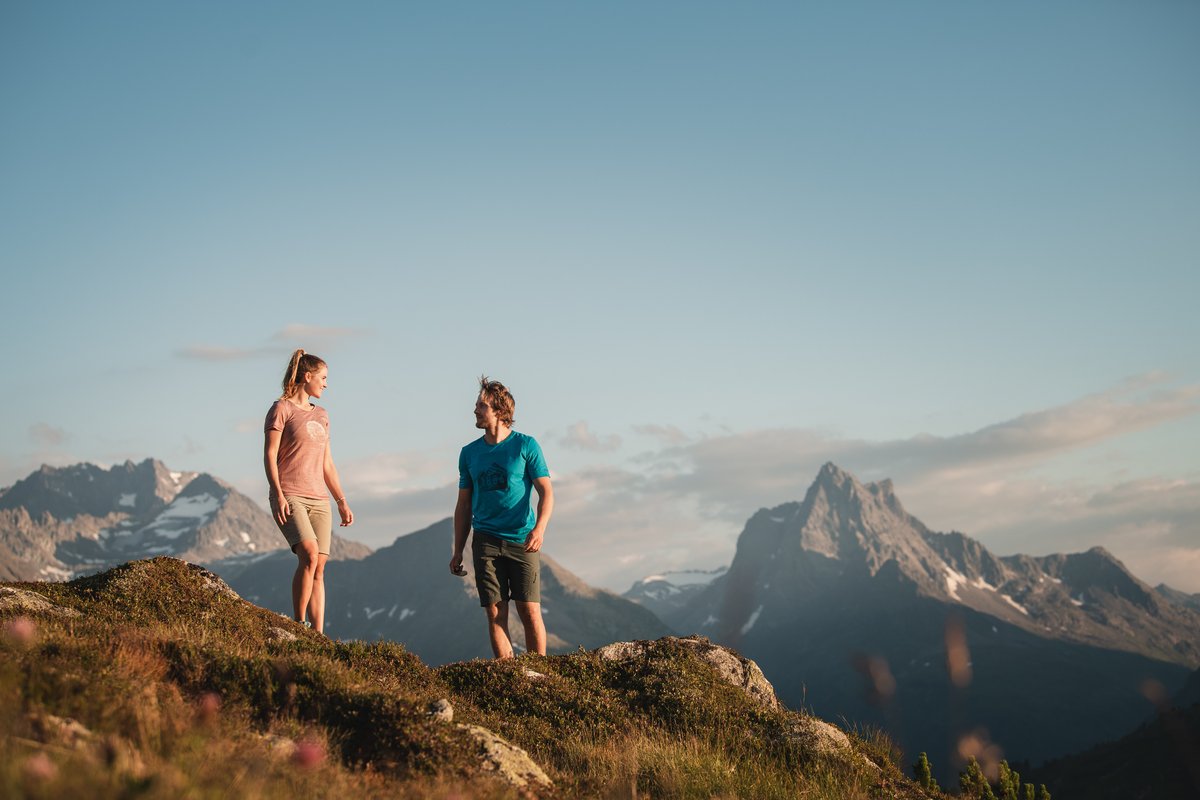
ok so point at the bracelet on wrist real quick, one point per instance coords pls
(341, 499)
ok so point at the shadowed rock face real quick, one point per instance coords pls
(846, 600)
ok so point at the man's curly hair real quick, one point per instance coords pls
(497, 395)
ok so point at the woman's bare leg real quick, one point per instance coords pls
(302, 581)
(316, 603)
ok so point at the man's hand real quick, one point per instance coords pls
(456, 567)
(280, 509)
(534, 541)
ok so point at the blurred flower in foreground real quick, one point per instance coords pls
(1156, 693)
(881, 685)
(958, 658)
(21, 631)
(308, 754)
(208, 707)
(39, 767)
(978, 744)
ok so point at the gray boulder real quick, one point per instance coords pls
(731, 667)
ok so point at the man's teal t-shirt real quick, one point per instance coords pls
(500, 478)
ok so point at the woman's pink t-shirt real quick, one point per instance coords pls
(301, 461)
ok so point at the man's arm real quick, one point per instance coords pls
(462, 527)
(545, 508)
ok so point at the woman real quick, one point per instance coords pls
(300, 470)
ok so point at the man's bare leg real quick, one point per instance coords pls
(535, 629)
(497, 617)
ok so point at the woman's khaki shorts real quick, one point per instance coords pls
(309, 520)
(504, 570)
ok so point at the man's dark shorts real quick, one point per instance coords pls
(503, 570)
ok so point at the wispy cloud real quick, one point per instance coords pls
(685, 504)
(580, 437)
(669, 435)
(1121, 410)
(390, 474)
(311, 337)
(747, 470)
(47, 435)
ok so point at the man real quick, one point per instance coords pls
(496, 476)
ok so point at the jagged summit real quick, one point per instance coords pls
(60, 522)
(844, 519)
(834, 478)
(205, 484)
(65, 492)
(1099, 571)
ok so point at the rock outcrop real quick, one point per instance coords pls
(731, 667)
(506, 760)
(25, 601)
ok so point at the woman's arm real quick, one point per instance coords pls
(335, 486)
(279, 506)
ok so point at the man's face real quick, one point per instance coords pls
(485, 417)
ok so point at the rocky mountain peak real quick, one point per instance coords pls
(844, 519)
(1098, 570)
(63, 493)
(204, 484)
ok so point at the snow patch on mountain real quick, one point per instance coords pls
(954, 579)
(750, 622)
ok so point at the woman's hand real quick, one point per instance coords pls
(345, 513)
(280, 509)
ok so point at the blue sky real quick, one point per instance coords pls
(709, 246)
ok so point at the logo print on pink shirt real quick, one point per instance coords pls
(316, 431)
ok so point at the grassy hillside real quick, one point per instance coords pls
(155, 680)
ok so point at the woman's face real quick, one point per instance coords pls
(315, 382)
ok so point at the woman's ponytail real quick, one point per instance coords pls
(298, 366)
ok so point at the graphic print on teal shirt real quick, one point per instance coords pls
(500, 478)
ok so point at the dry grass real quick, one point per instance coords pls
(180, 691)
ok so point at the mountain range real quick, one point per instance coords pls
(856, 609)
(61, 522)
(669, 594)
